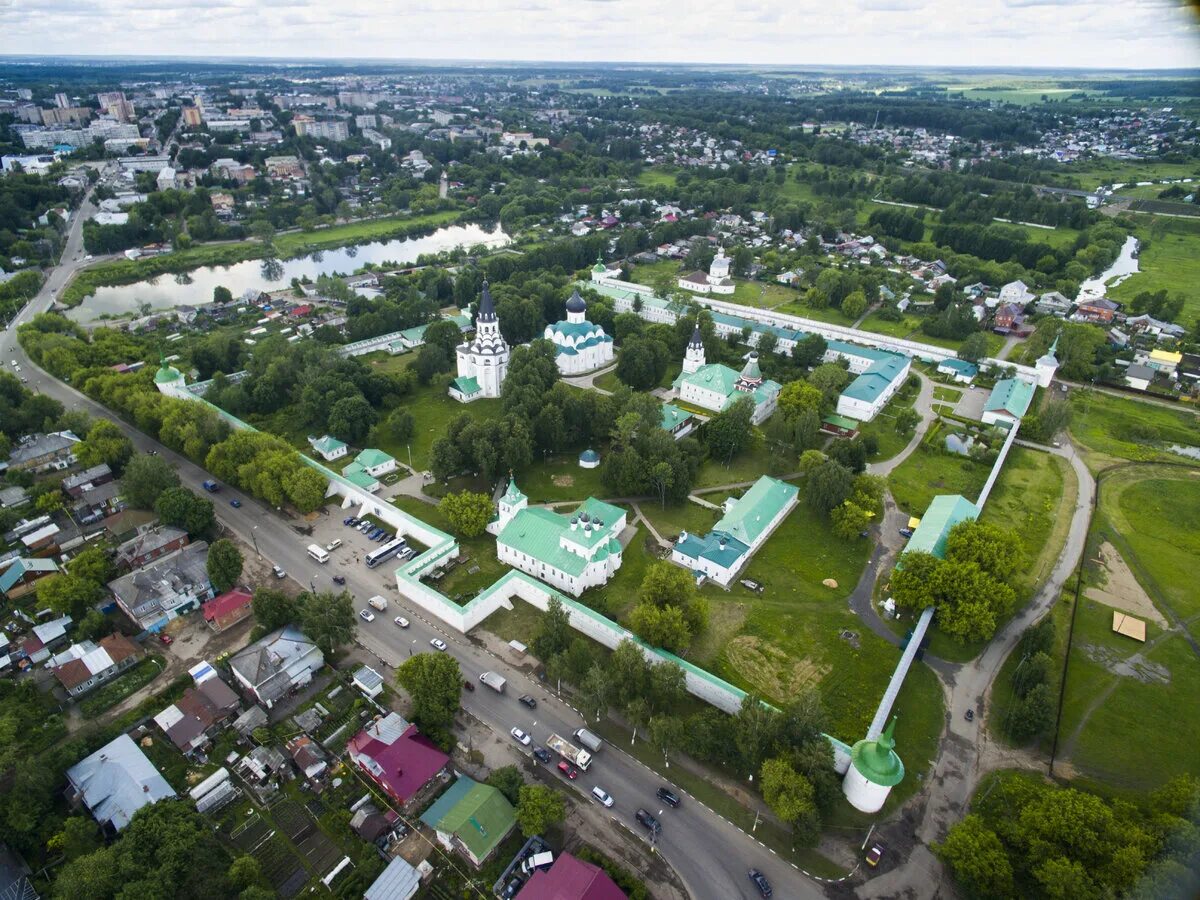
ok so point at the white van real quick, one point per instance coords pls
(380, 603)
(318, 554)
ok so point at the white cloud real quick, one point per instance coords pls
(1040, 33)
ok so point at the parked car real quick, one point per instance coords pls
(526, 700)
(541, 754)
(366, 615)
(332, 545)
(278, 572)
(349, 520)
(648, 821)
(970, 715)
(469, 684)
(569, 770)
(166, 639)
(875, 854)
(667, 796)
(339, 579)
(235, 503)
(401, 621)
(602, 797)
(438, 644)
(520, 737)
(760, 882)
(383, 536)
(906, 532)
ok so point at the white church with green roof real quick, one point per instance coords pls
(482, 362)
(579, 345)
(718, 387)
(569, 552)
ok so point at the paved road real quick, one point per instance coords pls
(710, 854)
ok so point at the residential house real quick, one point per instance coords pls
(13, 497)
(43, 638)
(115, 782)
(1164, 361)
(404, 763)
(40, 452)
(1146, 324)
(19, 575)
(471, 818)
(95, 503)
(1008, 316)
(572, 553)
(1100, 310)
(1139, 376)
(170, 587)
(960, 370)
(1053, 303)
(1189, 368)
(194, 719)
(747, 523)
(74, 486)
(307, 756)
(274, 666)
(375, 463)
(1016, 292)
(570, 878)
(262, 762)
(86, 665)
(1008, 402)
(227, 609)
(328, 448)
(151, 544)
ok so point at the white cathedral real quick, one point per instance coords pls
(579, 345)
(482, 363)
(715, 281)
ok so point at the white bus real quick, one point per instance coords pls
(318, 554)
(387, 551)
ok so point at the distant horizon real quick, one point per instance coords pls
(1127, 35)
(446, 61)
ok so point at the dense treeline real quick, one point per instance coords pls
(971, 198)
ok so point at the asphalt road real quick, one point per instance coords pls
(711, 855)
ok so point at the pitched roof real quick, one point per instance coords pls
(959, 365)
(397, 755)
(149, 541)
(477, 814)
(271, 664)
(868, 386)
(93, 659)
(118, 780)
(712, 377)
(372, 457)
(14, 570)
(571, 878)
(399, 881)
(944, 512)
(756, 508)
(226, 603)
(1010, 395)
(673, 416)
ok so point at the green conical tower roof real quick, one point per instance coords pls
(513, 495)
(752, 372)
(877, 761)
(599, 266)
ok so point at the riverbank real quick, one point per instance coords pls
(286, 246)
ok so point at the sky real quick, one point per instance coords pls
(1135, 34)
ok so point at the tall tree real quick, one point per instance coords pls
(538, 808)
(467, 511)
(328, 619)
(224, 564)
(184, 509)
(145, 478)
(434, 681)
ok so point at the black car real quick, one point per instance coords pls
(526, 700)
(514, 884)
(667, 796)
(542, 754)
(648, 821)
(760, 882)
(339, 579)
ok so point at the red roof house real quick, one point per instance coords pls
(227, 609)
(397, 757)
(570, 879)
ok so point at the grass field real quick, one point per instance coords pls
(947, 394)
(1117, 689)
(883, 427)
(820, 314)
(748, 465)
(1096, 172)
(559, 477)
(902, 329)
(928, 472)
(687, 516)
(657, 177)
(1170, 262)
(1114, 428)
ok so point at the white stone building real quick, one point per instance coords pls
(579, 345)
(482, 363)
(717, 281)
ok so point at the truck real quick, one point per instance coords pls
(494, 681)
(589, 740)
(581, 759)
(380, 603)
(211, 486)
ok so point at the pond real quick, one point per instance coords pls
(1123, 266)
(1184, 450)
(196, 287)
(960, 443)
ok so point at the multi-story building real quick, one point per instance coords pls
(84, 666)
(579, 345)
(175, 584)
(717, 387)
(482, 362)
(41, 452)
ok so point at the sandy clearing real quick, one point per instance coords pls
(1122, 591)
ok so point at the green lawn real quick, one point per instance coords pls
(560, 478)
(619, 596)
(687, 516)
(360, 232)
(608, 382)
(883, 427)
(433, 408)
(749, 465)
(928, 472)
(828, 314)
(764, 294)
(947, 394)
(902, 329)
(656, 177)
(1171, 262)
(1119, 691)
(1115, 428)
(1035, 496)
(1095, 172)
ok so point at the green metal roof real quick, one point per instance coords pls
(877, 761)
(371, 457)
(878, 378)
(359, 477)
(841, 422)
(536, 533)
(944, 512)
(166, 374)
(328, 444)
(712, 377)
(466, 385)
(673, 416)
(513, 494)
(757, 507)
(477, 814)
(1011, 395)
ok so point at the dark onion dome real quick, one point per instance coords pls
(576, 304)
(487, 309)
